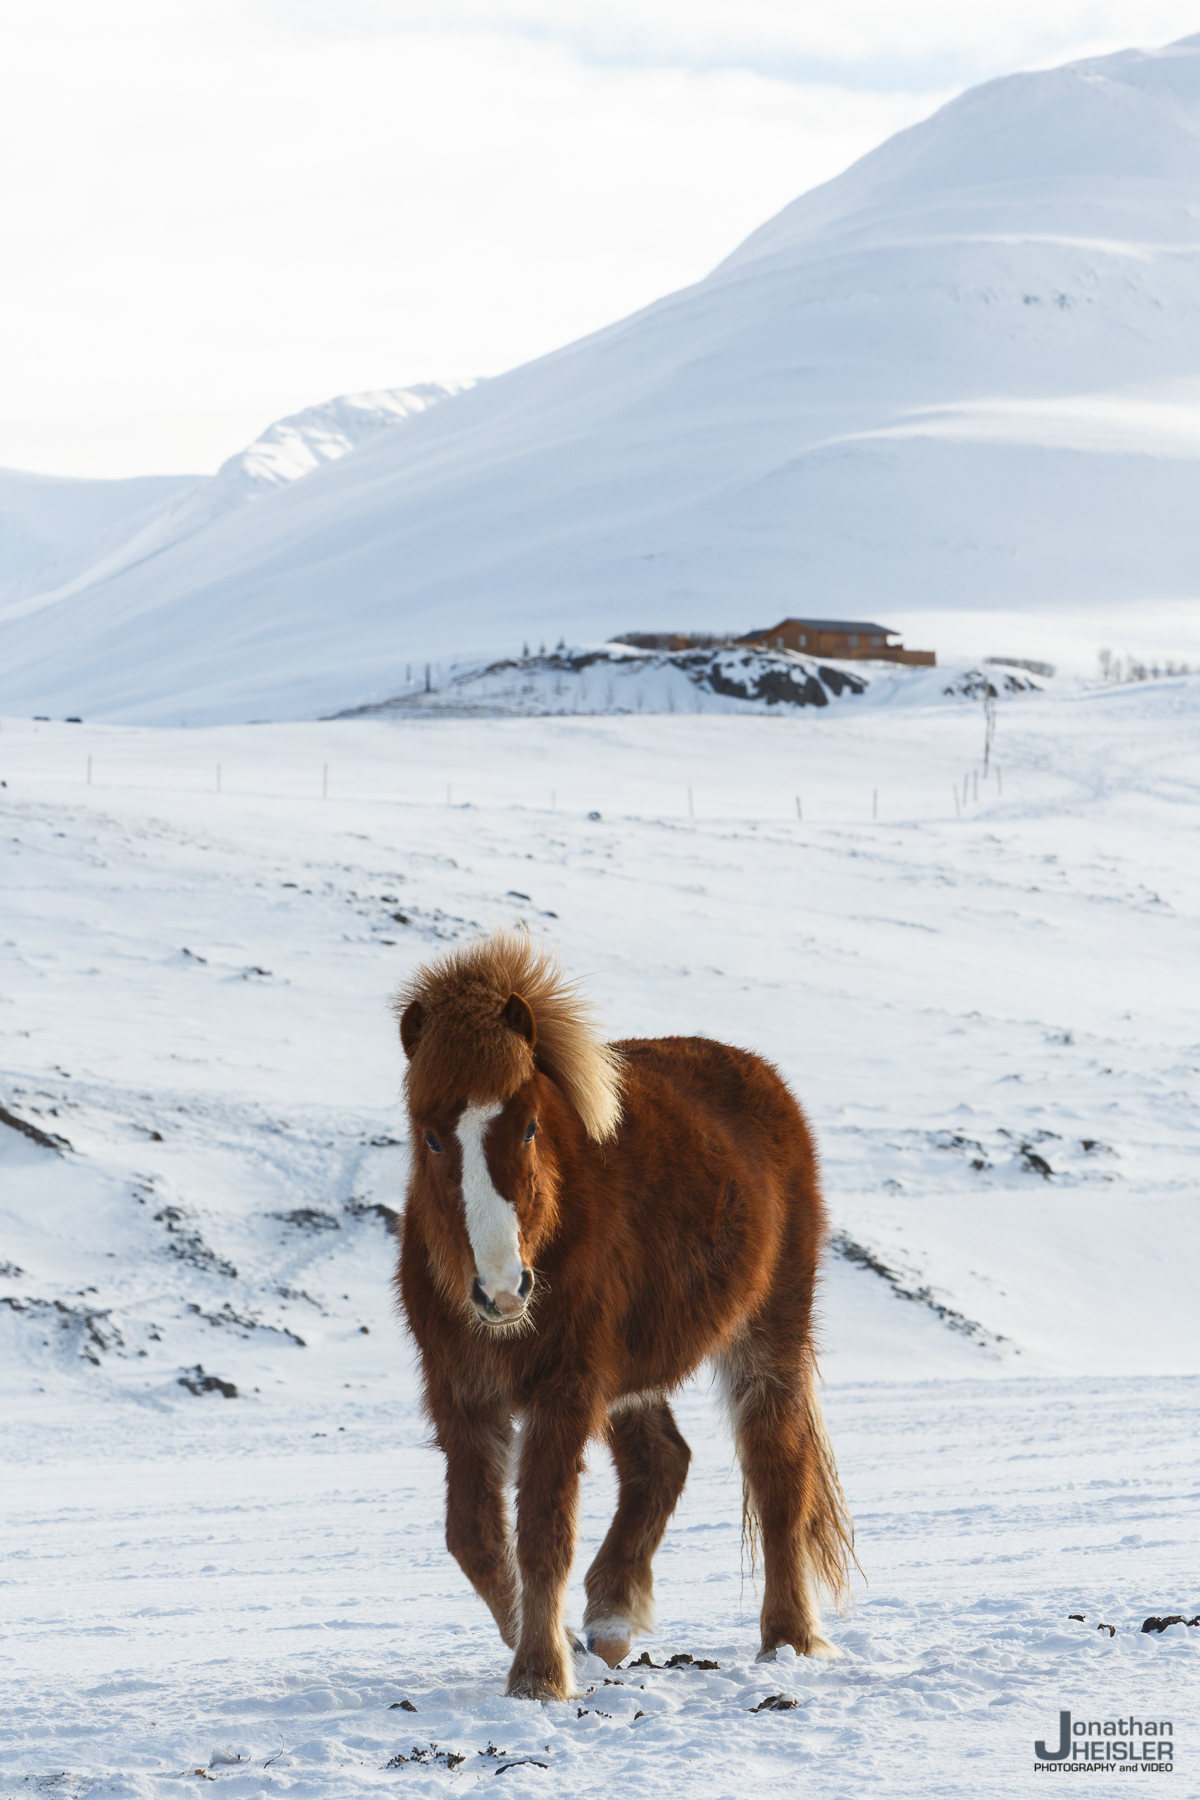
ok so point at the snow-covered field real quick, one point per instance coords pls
(991, 1020)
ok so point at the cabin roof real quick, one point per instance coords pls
(858, 625)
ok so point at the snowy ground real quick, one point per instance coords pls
(991, 1021)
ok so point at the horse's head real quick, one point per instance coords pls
(495, 1042)
(482, 1165)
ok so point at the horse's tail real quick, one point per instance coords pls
(830, 1525)
(828, 1551)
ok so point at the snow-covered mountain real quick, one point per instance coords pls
(957, 389)
(58, 537)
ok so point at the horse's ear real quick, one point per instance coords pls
(518, 1014)
(411, 1021)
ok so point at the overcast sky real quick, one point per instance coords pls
(216, 212)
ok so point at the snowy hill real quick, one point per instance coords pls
(732, 678)
(957, 388)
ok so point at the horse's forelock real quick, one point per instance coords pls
(466, 1049)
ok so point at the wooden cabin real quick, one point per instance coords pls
(848, 640)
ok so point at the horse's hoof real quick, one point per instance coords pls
(815, 1646)
(613, 1650)
(610, 1636)
(531, 1686)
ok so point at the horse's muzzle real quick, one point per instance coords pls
(506, 1308)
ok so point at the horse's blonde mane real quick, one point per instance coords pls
(467, 989)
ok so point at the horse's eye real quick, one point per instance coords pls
(531, 1131)
(433, 1143)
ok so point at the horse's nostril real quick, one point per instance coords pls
(478, 1295)
(526, 1287)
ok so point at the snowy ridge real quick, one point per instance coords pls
(294, 447)
(287, 451)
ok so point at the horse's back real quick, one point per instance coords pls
(714, 1104)
(733, 1084)
(713, 1143)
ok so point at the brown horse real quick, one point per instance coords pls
(586, 1224)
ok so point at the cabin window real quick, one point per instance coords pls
(779, 643)
(852, 640)
(877, 641)
(803, 640)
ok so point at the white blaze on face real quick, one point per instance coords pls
(491, 1221)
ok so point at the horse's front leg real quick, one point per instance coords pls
(478, 1533)
(652, 1464)
(552, 1452)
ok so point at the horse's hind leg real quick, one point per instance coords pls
(793, 1498)
(652, 1464)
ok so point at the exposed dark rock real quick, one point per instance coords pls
(793, 686)
(308, 1218)
(836, 680)
(189, 1246)
(360, 1209)
(239, 1322)
(94, 1325)
(923, 1295)
(49, 1140)
(197, 1382)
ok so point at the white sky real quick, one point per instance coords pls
(216, 212)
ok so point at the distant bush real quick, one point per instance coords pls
(1131, 668)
